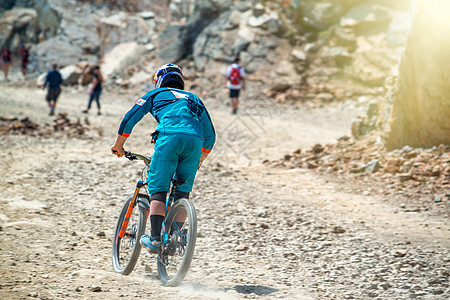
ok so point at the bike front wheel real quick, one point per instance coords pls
(175, 256)
(126, 250)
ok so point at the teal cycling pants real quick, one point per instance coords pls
(174, 154)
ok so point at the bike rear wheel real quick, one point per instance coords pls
(126, 250)
(174, 258)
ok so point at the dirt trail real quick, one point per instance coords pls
(263, 233)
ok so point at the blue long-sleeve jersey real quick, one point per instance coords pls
(176, 111)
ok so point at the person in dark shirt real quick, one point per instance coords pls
(53, 80)
(95, 89)
(6, 61)
(24, 53)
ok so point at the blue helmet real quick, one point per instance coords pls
(168, 73)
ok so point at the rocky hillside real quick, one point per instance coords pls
(294, 51)
(297, 50)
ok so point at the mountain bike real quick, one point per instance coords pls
(178, 232)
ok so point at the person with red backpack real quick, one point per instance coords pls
(235, 82)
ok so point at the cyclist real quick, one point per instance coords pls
(183, 139)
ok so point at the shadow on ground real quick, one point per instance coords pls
(259, 290)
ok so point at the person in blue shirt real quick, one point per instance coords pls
(183, 139)
(53, 80)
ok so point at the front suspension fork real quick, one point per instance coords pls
(131, 206)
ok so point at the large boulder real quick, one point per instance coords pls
(205, 12)
(345, 37)
(180, 9)
(208, 8)
(48, 19)
(71, 20)
(172, 43)
(399, 28)
(320, 15)
(251, 34)
(245, 31)
(365, 70)
(69, 33)
(121, 28)
(70, 74)
(58, 49)
(270, 21)
(80, 73)
(159, 7)
(18, 25)
(335, 56)
(177, 41)
(367, 18)
(421, 110)
(141, 77)
(81, 28)
(214, 42)
(372, 62)
(121, 56)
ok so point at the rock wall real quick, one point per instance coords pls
(121, 28)
(17, 26)
(49, 52)
(8, 4)
(159, 7)
(70, 31)
(48, 19)
(315, 46)
(421, 108)
(26, 22)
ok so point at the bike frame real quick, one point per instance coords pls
(132, 205)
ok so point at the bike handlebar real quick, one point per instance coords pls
(134, 156)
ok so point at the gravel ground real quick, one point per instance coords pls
(264, 233)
